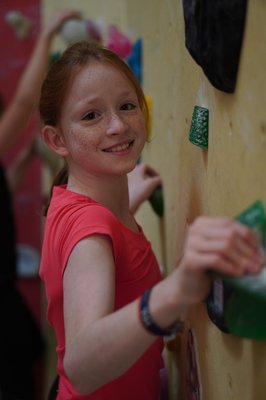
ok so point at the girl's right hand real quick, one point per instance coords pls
(56, 23)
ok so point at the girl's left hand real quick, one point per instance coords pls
(220, 244)
(142, 181)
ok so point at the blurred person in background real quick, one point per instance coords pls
(21, 342)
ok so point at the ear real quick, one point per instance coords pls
(52, 137)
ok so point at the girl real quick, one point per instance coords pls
(107, 302)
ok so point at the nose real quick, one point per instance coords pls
(116, 125)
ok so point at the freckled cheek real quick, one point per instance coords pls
(83, 142)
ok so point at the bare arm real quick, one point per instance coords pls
(97, 337)
(16, 116)
(18, 169)
(93, 331)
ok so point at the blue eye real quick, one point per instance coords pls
(128, 106)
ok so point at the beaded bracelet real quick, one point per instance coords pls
(150, 325)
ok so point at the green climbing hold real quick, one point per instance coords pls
(245, 314)
(54, 57)
(239, 303)
(156, 201)
(199, 129)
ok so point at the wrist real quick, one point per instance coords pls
(167, 303)
(151, 323)
(45, 36)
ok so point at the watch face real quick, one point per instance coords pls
(193, 384)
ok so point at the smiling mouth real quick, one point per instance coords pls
(119, 148)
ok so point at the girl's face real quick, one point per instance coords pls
(102, 125)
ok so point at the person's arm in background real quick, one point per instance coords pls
(17, 114)
(18, 169)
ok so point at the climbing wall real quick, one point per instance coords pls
(222, 180)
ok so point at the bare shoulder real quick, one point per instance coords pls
(89, 282)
